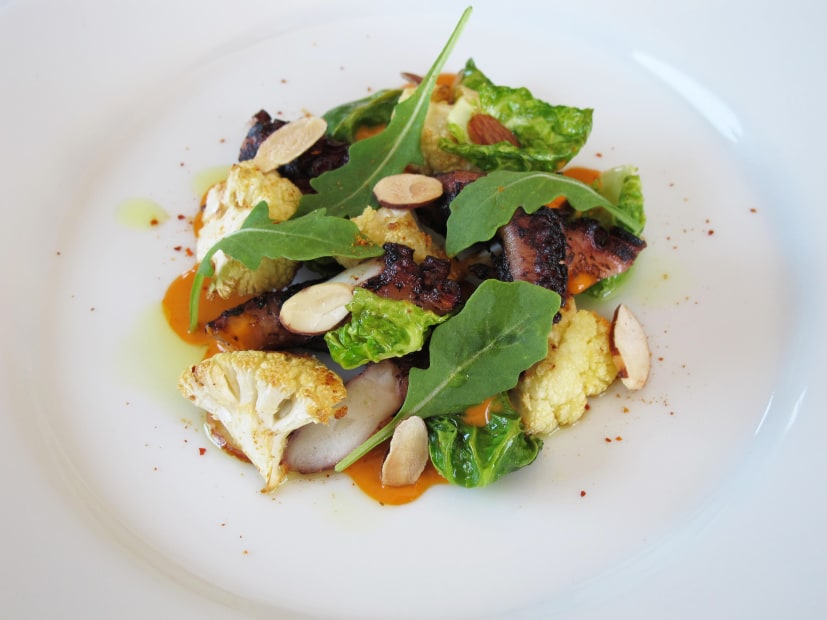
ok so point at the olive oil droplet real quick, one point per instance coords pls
(141, 213)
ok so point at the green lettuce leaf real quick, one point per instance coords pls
(378, 329)
(502, 330)
(345, 120)
(475, 456)
(622, 186)
(347, 190)
(549, 135)
(312, 236)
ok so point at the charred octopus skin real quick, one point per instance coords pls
(255, 324)
(326, 154)
(599, 252)
(534, 249)
(427, 284)
(550, 247)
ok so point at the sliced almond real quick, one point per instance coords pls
(317, 308)
(288, 142)
(408, 453)
(407, 191)
(360, 272)
(630, 349)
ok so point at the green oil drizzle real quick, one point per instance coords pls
(141, 213)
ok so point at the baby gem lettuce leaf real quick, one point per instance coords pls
(490, 201)
(549, 135)
(378, 329)
(502, 330)
(312, 236)
(475, 456)
(347, 190)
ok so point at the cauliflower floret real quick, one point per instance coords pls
(579, 364)
(434, 129)
(261, 397)
(384, 225)
(228, 204)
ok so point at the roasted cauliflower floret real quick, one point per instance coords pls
(227, 205)
(579, 364)
(261, 397)
(384, 225)
(433, 130)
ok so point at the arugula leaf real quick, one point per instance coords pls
(347, 190)
(475, 456)
(502, 330)
(305, 238)
(549, 135)
(345, 120)
(490, 201)
(378, 329)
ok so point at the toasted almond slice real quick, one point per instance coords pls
(288, 142)
(317, 308)
(630, 349)
(407, 191)
(408, 453)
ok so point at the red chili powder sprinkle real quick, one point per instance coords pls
(153, 221)
(202, 451)
(608, 440)
(582, 494)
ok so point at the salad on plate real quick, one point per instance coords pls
(398, 280)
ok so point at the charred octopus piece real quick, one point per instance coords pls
(600, 252)
(326, 154)
(435, 216)
(255, 324)
(534, 250)
(427, 285)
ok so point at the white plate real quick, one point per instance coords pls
(707, 499)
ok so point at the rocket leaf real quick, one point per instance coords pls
(490, 201)
(347, 190)
(502, 330)
(312, 236)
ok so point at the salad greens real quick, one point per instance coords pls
(549, 135)
(312, 236)
(622, 186)
(490, 201)
(378, 329)
(475, 456)
(502, 330)
(344, 121)
(503, 327)
(345, 191)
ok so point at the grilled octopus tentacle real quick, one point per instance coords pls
(534, 249)
(255, 324)
(426, 285)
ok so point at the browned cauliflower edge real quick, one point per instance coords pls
(261, 397)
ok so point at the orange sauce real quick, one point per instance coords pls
(366, 473)
(584, 175)
(480, 415)
(176, 305)
(580, 282)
